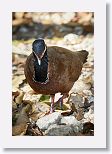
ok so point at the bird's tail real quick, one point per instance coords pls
(83, 55)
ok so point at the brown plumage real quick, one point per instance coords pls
(64, 68)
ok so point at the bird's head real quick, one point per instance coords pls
(39, 48)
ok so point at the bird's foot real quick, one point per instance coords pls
(51, 110)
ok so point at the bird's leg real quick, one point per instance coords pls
(60, 101)
(52, 103)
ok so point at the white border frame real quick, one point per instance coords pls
(99, 138)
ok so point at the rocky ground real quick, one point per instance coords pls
(29, 110)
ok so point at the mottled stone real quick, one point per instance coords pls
(60, 130)
(44, 122)
(69, 120)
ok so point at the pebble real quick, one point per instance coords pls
(91, 98)
(89, 116)
(69, 120)
(44, 122)
(62, 17)
(53, 18)
(87, 92)
(60, 130)
(71, 38)
(77, 100)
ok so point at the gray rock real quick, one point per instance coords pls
(78, 128)
(91, 99)
(72, 122)
(69, 120)
(44, 122)
(77, 100)
(71, 38)
(87, 92)
(89, 116)
(60, 130)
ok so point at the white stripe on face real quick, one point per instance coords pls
(39, 61)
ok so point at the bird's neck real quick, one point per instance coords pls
(41, 71)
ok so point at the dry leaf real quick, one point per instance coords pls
(19, 129)
(19, 98)
(17, 81)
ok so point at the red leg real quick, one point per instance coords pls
(60, 101)
(52, 103)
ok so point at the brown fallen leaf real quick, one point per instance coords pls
(14, 106)
(17, 22)
(73, 108)
(88, 79)
(23, 115)
(33, 130)
(21, 123)
(28, 102)
(15, 93)
(67, 113)
(80, 114)
(88, 127)
(19, 98)
(17, 81)
(20, 129)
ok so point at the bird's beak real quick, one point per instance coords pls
(39, 61)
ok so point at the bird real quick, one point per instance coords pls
(53, 69)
